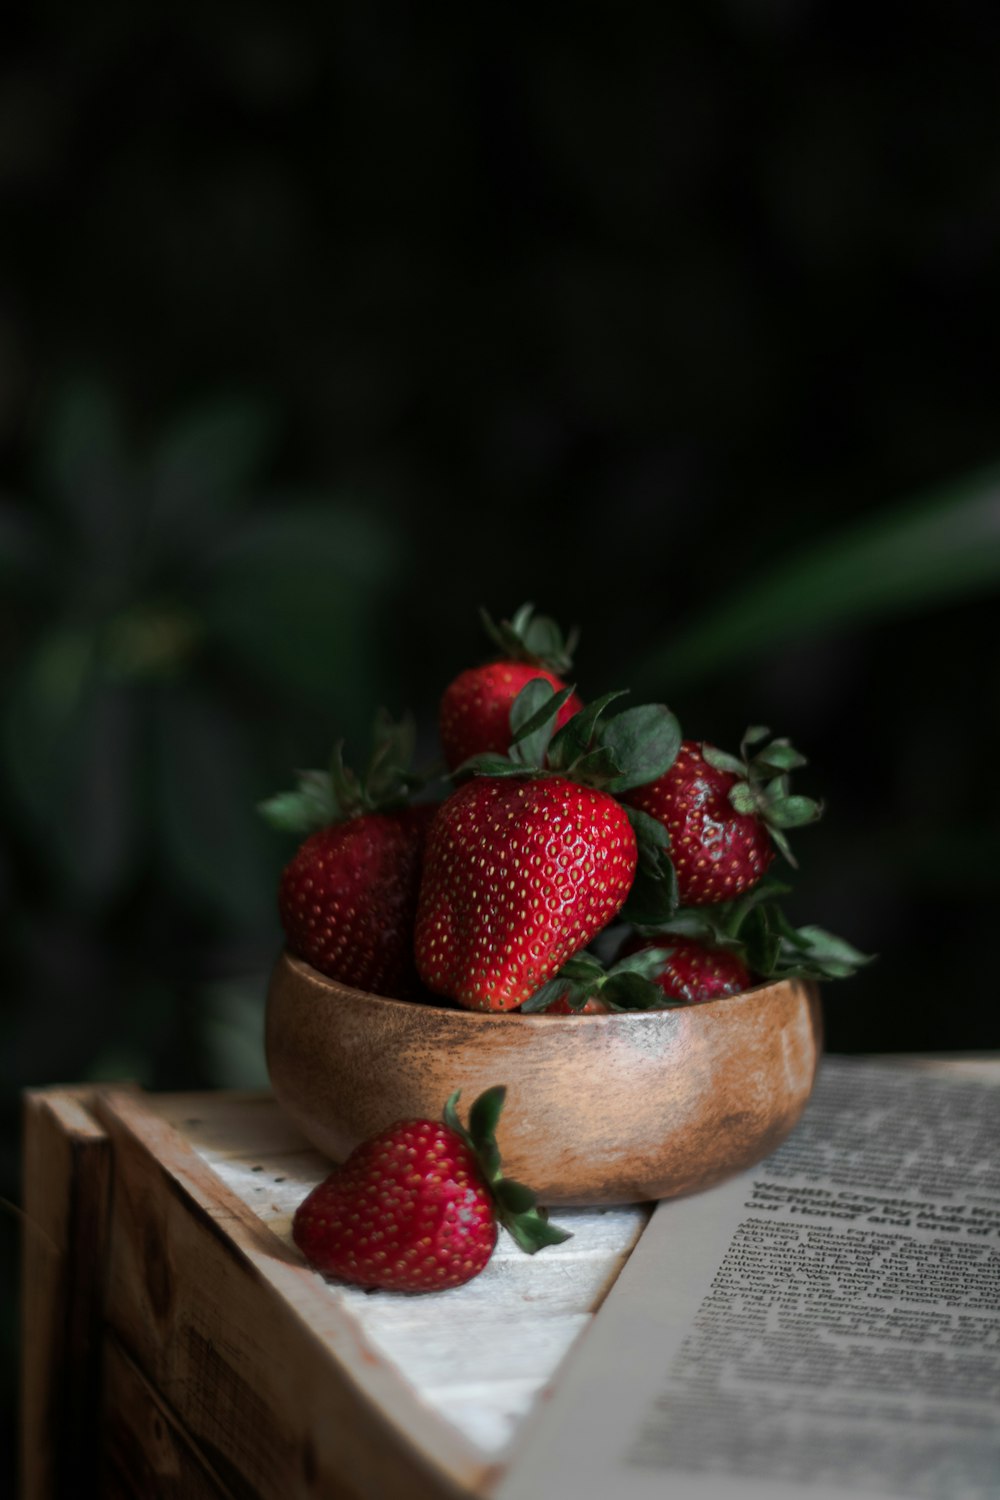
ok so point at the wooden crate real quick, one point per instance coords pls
(176, 1344)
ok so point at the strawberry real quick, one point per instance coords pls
(474, 715)
(475, 708)
(348, 898)
(724, 815)
(533, 856)
(518, 875)
(415, 1208)
(561, 1006)
(693, 971)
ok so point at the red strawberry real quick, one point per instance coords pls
(408, 1210)
(475, 710)
(348, 898)
(694, 972)
(592, 1006)
(518, 875)
(724, 815)
(474, 717)
(533, 856)
(415, 1208)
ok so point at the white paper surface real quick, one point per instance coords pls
(826, 1325)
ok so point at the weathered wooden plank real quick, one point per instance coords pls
(66, 1187)
(272, 1379)
(236, 1123)
(146, 1450)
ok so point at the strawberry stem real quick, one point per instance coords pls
(339, 793)
(532, 638)
(516, 1205)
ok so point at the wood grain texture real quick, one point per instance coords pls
(601, 1109)
(274, 1383)
(67, 1175)
(145, 1448)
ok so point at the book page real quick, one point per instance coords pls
(825, 1325)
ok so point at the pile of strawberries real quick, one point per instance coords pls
(585, 858)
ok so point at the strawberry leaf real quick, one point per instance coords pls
(701, 924)
(344, 784)
(644, 741)
(654, 896)
(308, 808)
(531, 1230)
(723, 761)
(762, 942)
(734, 913)
(754, 735)
(334, 795)
(488, 764)
(598, 766)
(514, 1203)
(392, 752)
(650, 834)
(543, 638)
(582, 968)
(484, 1116)
(450, 1116)
(521, 620)
(533, 719)
(744, 799)
(783, 846)
(573, 740)
(514, 1196)
(532, 708)
(793, 812)
(647, 963)
(543, 998)
(823, 954)
(631, 992)
(532, 638)
(779, 756)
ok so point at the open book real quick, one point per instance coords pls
(825, 1325)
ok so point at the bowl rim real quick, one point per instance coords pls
(516, 1017)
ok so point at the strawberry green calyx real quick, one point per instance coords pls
(339, 793)
(654, 896)
(756, 929)
(532, 638)
(763, 790)
(516, 1205)
(625, 985)
(610, 753)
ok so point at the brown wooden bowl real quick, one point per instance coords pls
(600, 1109)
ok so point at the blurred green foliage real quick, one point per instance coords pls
(176, 629)
(901, 561)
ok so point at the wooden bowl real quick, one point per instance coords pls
(600, 1109)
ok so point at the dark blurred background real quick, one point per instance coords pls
(320, 327)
